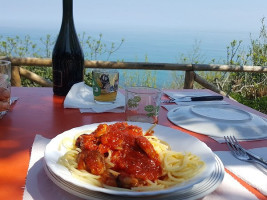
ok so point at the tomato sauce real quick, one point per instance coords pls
(133, 155)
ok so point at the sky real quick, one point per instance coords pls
(210, 15)
(159, 29)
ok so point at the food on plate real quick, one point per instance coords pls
(122, 156)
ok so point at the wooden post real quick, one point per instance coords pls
(15, 76)
(189, 80)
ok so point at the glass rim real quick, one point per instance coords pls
(149, 90)
(5, 62)
(105, 70)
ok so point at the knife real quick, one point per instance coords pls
(207, 98)
(202, 98)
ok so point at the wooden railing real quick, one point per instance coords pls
(190, 75)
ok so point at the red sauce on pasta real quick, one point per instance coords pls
(132, 155)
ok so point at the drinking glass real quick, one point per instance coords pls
(105, 85)
(5, 76)
(142, 104)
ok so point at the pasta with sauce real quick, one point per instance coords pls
(120, 156)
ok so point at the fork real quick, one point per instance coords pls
(170, 100)
(242, 154)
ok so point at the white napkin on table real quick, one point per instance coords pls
(180, 94)
(81, 96)
(39, 186)
(230, 189)
(253, 174)
(177, 95)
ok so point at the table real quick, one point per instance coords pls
(38, 111)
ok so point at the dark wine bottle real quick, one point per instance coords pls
(67, 57)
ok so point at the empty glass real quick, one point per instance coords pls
(142, 104)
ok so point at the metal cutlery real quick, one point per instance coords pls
(188, 99)
(242, 154)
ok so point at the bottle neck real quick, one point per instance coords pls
(67, 10)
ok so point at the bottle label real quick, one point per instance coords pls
(57, 76)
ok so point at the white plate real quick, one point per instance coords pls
(198, 191)
(219, 121)
(178, 141)
(221, 112)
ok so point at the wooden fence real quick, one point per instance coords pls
(190, 75)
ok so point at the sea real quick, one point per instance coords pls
(149, 45)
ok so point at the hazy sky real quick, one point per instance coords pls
(215, 15)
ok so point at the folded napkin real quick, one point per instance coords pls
(177, 95)
(253, 174)
(81, 96)
(39, 186)
(180, 94)
(230, 189)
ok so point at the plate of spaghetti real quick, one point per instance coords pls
(129, 158)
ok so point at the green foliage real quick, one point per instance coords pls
(25, 47)
(134, 78)
(140, 78)
(177, 80)
(93, 48)
(45, 72)
(18, 47)
(48, 43)
(259, 103)
(258, 49)
(194, 56)
(232, 51)
(88, 78)
(249, 88)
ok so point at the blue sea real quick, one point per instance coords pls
(156, 46)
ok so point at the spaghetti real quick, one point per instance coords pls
(119, 156)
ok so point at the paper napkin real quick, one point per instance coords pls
(177, 95)
(230, 189)
(253, 174)
(186, 94)
(81, 96)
